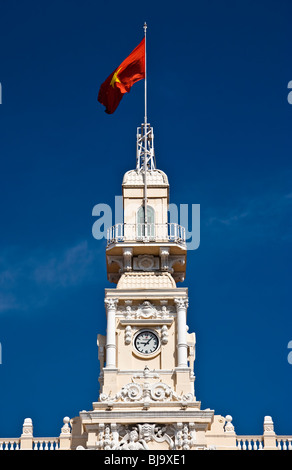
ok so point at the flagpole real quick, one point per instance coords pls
(145, 135)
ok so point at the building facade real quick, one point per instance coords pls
(147, 398)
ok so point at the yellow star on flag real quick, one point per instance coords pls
(115, 78)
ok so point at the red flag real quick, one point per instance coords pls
(120, 81)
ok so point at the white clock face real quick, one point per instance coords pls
(146, 342)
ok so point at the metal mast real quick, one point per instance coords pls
(145, 159)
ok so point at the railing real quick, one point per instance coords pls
(257, 442)
(249, 442)
(267, 441)
(170, 232)
(46, 443)
(40, 443)
(284, 442)
(28, 442)
(10, 444)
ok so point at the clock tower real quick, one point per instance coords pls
(147, 395)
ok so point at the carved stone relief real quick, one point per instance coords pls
(146, 393)
(146, 263)
(176, 436)
(145, 310)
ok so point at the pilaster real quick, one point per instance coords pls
(111, 306)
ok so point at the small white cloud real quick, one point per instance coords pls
(266, 216)
(69, 268)
(28, 281)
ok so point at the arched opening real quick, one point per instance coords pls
(145, 230)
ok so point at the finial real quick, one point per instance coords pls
(145, 27)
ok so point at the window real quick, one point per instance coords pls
(145, 230)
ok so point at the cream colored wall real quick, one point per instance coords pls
(134, 199)
(127, 358)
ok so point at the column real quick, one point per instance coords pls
(182, 347)
(111, 306)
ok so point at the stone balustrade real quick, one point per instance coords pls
(227, 440)
(28, 442)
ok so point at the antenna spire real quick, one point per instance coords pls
(145, 83)
(145, 158)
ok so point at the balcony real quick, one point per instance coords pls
(147, 233)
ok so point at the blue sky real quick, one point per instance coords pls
(217, 90)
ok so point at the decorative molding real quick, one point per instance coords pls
(177, 436)
(181, 303)
(111, 304)
(164, 254)
(164, 334)
(128, 334)
(116, 260)
(146, 263)
(146, 393)
(146, 310)
(185, 436)
(175, 259)
(179, 277)
(127, 255)
(133, 437)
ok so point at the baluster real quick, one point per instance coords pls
(171, 232)
(289, 444)
(284, 444)
(56, 445)
(239, 444)
(261, 445)
(244, 445)
(255, 445)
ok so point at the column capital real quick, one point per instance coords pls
(181, 303)
(111, 304)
